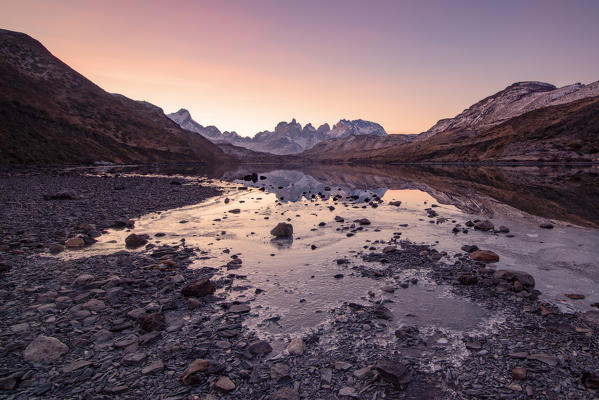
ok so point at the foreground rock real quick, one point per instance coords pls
(485, 256)
(200, 288)
(134, 241)
(45, 349)
(282, 230)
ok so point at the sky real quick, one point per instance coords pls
(246, 65)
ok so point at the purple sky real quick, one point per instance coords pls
(246, 65)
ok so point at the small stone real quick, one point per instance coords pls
(152, 322)
(134, 358)
(279, 371)
(224, 384)
(239, 308)
(296, 347)
(544, 358)
(153, 367)
(393, 372)
(45, 349)
(75, 243)
(83, 280)
(575, 296)
(485, 256)
(191, 375)
(286, 393)
(382, 312)
(259, 347)
(348, 391)
(519, 373)
(388, 289)
(94, 305)
(485, 225)
(515, 387)
(75, 365)
(546, 225)
(342, 365)
(199, 288)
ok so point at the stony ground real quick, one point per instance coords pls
(142, 325)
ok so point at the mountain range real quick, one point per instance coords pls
(49, 113)
(286, 138)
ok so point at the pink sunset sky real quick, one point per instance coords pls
(246, 65)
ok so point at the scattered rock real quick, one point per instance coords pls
(519, 373)
(485, 225)
(224, 384)
(523, 278)
(575, 296)
(286, 393)
(282, 230)
(296, 347)
(393, 372)
(199, 288)
(260, 347)
(134, 241)
(45, 349)
(485, 256)
(348, 391)
(75, 243)
(546, 225)
(152, 322)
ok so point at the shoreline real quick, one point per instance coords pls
(99, 306)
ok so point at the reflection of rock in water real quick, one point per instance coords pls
(567, 194)
(282, 242)
(293, 185)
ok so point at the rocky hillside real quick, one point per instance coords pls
(49, 113)
(286, 138)
(515, 100)
(562, 133)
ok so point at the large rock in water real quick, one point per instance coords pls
(200, 288)
(525, 279)
(282, 230)
(485, 256)
(134, 241)
(485, 225)
(45, 349)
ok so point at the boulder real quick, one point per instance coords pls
(200, 288)
(282, 230)
(393, 372)
(75, 243)
(134, 241)
(511, 276)
(296, 347)
(45, 349)
(260, 347)
(485, 225)
(485, 256)
(224, 384)
(152, 322)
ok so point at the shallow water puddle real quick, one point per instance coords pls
(298, 277)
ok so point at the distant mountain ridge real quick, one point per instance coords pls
(286, 138)
(49, 113)
(515, 100)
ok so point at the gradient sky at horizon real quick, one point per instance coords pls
(246, 65)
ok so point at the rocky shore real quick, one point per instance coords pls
(140, 324)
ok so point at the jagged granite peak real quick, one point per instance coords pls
(514, 100)
(356, 127)
(286, 138)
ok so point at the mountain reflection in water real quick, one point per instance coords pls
(560, 194)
